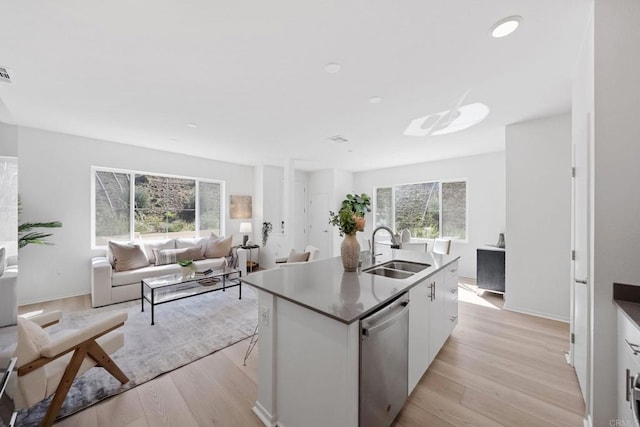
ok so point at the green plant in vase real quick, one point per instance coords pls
(350, 219)
(188, 268)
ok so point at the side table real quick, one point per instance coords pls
(251, 264)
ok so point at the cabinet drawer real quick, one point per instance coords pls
(629, 333)
(451, 272)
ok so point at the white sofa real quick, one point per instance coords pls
(9, 292)
(109, 286)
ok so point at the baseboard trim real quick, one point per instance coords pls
(264, 415)
(587, 421)
(536, 313)
(41, 300)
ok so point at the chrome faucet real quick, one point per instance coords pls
(394, 242)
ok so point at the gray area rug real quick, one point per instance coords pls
(184, 331)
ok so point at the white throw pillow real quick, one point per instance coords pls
(151, 245)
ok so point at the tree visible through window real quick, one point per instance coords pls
(163, 206)
(427, 209)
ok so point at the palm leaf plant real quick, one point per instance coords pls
(28, 237)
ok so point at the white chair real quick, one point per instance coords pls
(48, 364)
(294, 257)
(442, 246)
(8, 290)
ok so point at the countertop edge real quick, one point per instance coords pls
(627, 298)
(419, 279)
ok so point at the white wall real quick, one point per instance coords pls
(538, 165)
(8, 140)
(55, 184)
(485, 197)
(616, 228)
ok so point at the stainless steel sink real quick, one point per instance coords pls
(387, 272)
(409, 266)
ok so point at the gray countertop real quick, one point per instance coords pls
(324, 287)
(627, 298)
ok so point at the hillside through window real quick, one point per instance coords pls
(426, 209)
(131, 205)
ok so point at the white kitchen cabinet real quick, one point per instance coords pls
(451, 299)
(418, 331)
(438, 324)
(628, 367)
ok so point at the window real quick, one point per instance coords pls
(130, 205)
(426, 209)
(9, 204)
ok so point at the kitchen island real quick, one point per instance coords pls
(310, 332)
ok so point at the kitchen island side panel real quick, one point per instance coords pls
(316, 381)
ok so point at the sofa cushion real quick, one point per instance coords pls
(135, 276)
(150, 245)
(218, 247)
(128, 256)
(171, 256)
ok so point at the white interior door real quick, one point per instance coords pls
(581, 281)
(319, 228)
(299, 216)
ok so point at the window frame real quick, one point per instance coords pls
(132, 174)
(439, 182)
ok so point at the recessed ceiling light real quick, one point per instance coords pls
(375, 100)
(332, 68)
(192, 125)
(505, 26)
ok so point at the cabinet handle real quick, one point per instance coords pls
(434, 290)
(634, 347)
(453, 270)
(453, 291)
(453, 318)
(628, 388)
(432, 295)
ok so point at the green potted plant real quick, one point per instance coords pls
(188, 269)
(266, 229)
(28, 237)
(349, 220)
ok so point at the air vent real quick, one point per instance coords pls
(4, 75)
(338, 139)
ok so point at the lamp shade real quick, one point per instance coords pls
(245, 227)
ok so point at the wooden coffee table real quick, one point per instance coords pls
(172, 287)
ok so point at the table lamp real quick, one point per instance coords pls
(245, 227)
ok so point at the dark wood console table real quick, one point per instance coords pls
(490, 266)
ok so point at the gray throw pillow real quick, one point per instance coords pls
(218, 247)
(128, 256)
(171, 256)
(298, 256)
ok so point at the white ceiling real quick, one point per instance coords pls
(251, 74)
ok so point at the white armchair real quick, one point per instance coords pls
(294, 257)
(48, 364)
(9, 292)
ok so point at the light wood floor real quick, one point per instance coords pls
(498, 368)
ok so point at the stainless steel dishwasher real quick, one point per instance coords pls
(384, 344)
